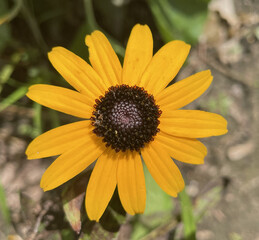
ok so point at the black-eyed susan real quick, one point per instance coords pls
(129, 112)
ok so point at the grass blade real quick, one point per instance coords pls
(13, 97)
(12, 13)
(37, 118)
(187, 216)
(5, 214)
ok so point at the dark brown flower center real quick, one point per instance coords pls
(126, 117)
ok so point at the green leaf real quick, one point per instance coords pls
(157, 199)
(179, 19)
(163, 23)
(159, 206)
(37, 122)
(187, 216)
(67, 234)
(72, 199)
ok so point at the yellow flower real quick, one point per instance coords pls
(129, 113)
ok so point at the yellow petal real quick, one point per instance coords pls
(138, 54)
(192, 123)
(72, 162)
(103, 58)
(101, 186)
(77, 72)
(164, 66)
(58, 140)
(186, 150)
(61, 99)
(131, 182)
(162, 168)
(185, 91)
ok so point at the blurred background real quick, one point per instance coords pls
(222, 200)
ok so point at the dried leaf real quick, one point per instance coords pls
(72, 198)
(14, 237)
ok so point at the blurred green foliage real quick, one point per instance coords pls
(177, 19)
(220, 104)
(5, 34)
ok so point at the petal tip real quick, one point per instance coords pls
(45, 187)
(184, 44)
(201, 162)
(91, 218)
(32, 155)
(87, 39)
(89, 36)
(138, 25)
(140, 211)
(54, 49)
(92, 215)
(50, 54)
(28, 154)
(225, 132)
(224, 123)
(28, 93)
(43, 184)
(208, 71)
(55, 52)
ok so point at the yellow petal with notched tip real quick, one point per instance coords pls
(138, 54)
(103, 58)
(188, 150)
(58, 140)
(192, 123)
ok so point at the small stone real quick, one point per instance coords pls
(240, 151)
(205, 235)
